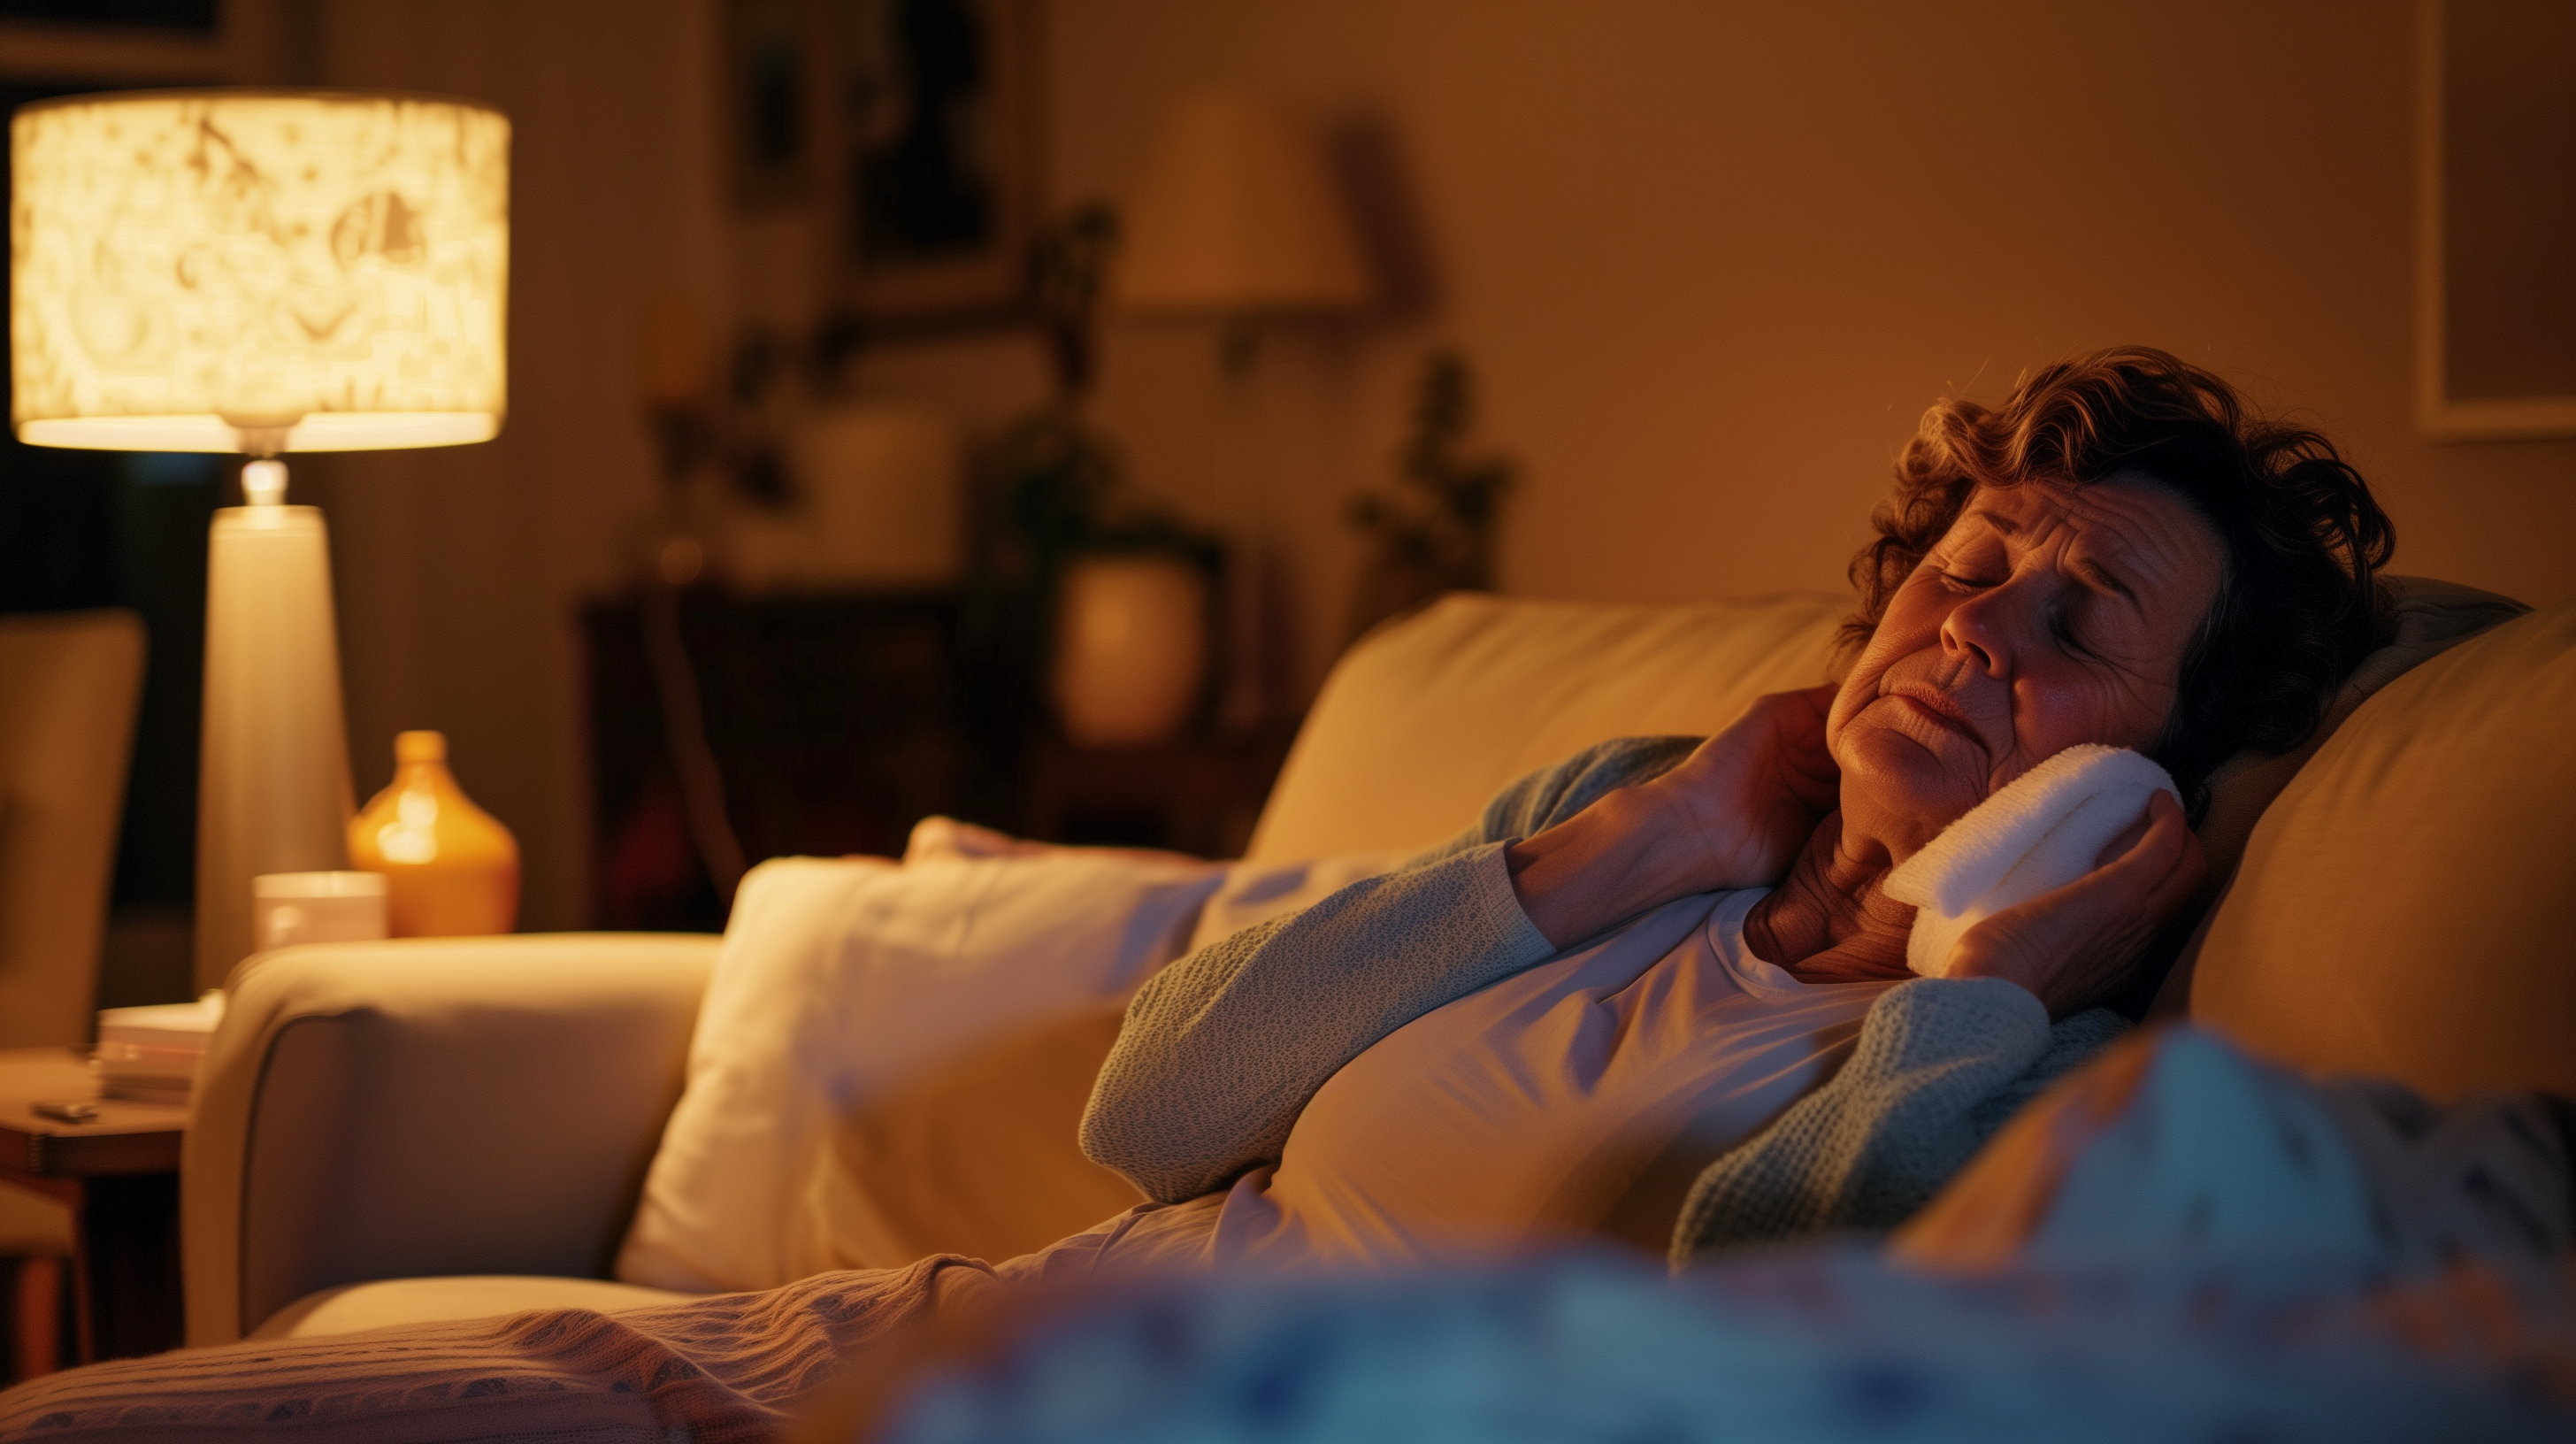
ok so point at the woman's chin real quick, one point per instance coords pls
(1901, 792)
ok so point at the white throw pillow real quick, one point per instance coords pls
(840, 978)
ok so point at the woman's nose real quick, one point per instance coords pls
(1982, 629)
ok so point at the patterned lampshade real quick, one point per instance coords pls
(261, 271)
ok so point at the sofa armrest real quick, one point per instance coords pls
(429, 1106)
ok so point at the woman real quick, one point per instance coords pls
(1632, 961)
(1551, 1025)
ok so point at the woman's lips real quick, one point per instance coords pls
(1936, 711)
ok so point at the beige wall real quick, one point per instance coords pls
(458, 569)
(1711, 259)
(1714, 259)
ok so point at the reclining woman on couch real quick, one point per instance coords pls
(1554, 1023)
(1548, 1026)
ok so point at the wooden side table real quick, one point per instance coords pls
(119, 1172)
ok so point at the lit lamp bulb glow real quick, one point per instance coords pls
(258, 271)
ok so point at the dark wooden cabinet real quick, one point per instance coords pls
(835, 723)
(1200, 796)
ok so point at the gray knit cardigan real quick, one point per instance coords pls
(1222, 1049)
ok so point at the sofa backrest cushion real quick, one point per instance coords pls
(2407, 907)
(2426, 618)
(1425, 719)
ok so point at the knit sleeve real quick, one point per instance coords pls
(1221, 1051)
(1550, 795)
(1940, 1065)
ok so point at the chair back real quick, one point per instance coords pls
(69, 682)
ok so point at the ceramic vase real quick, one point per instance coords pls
(451, 869)
(1131, 648)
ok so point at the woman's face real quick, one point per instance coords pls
(2043, 618)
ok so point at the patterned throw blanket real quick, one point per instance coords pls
(721, 1369)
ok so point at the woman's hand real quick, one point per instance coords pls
(1733, 814)
(1745, 801)
(2075, 946)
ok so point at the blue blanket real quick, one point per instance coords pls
(1828, 1345)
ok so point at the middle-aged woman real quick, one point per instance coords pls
(1552, 1024)
(1633, 961)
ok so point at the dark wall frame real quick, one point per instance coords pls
(2495, 289)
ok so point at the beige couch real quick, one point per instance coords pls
(444, 1128)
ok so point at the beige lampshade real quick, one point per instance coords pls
(220, 270)
(1236, 215)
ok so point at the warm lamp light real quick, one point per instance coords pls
(261, 272)
(1236, 216)
(251, 271)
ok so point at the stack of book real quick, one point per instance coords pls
(151, 1054)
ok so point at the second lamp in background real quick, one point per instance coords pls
(1238, 221)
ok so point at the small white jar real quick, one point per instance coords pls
(287, 908)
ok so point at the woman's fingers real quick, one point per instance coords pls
(1819, 699)
(2126, 840)
(1734, 813)
(1796, 720)
(2166, 865)
(2149, 850)
(2183, 881)
(2073, 945)
(1804, 764)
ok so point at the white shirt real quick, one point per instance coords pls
(1575, 1099)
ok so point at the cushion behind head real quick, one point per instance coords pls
(2426, 618)
(2407, 907)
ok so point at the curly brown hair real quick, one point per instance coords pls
(2298, 607)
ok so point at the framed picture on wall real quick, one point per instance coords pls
(770, 80)
(2495, 292)
(931, 156)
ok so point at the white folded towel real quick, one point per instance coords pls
(2042, 832)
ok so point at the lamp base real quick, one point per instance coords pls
(273, 791)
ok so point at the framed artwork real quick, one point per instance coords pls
(928, 139)
(2495, 291)
(770, 79)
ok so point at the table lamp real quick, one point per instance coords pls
(1237, 221)
(259, 271)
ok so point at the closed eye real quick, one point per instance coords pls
(2061, 629)
(2106, 580)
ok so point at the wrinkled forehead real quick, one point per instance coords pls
(2120, 515)
(2130, 538)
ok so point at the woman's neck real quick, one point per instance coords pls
(1828, 921)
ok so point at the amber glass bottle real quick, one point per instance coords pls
(450, 867)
